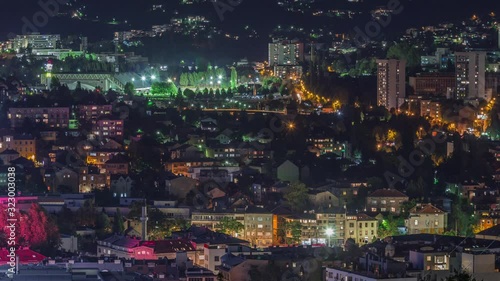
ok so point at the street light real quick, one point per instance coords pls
(329, 233)
(153, 77)
(143, 78)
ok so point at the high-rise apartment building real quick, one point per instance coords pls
(285, 56)
(391, 76)
(470, 75)
(286, 52)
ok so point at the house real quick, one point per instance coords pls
(385, 200)
(90, 178)
(118, 165)
(129, 247)
(337, 274)
(323, 199)
(288, 171)
(8, 155)
(183, 166)
(25, 145)
(224, 137)
(209, 124)
(179, 187)
(426, 218)
(185, 151)
(121, 186)
(63, 180)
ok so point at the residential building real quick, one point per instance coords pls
(127, 247)
(436, 84)
(337, 274)
(94, 112)
(121, 186)
(323, 199)
(361, 228)
(181, 167)
(90, 178)
(53, 117)
(109, 128)
(99, 157)
(8, 155)
(426, 218)
(429, 259)
(288, 171)
(391, 81)
(118, 165)
(35, 41)
(431, 108)
(385, 200)
(470, 74)
(285, 52)
(285, 56)
(25, 145)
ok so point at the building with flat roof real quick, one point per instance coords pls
(35, 41)
(391, 82)
(470, 75)
(334, 274)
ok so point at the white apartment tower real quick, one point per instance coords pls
(470, 74)
(285, 52)
(391, 81)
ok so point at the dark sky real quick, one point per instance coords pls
(260, 13)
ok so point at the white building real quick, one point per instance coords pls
(391, 77)
(333, 274)
(285, 53)
(35, 41)
(470, 74)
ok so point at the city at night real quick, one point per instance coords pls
(250, 140)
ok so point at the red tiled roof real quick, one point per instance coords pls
(26, 256)
(387, 193)
(426, 209)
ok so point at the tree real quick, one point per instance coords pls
(165, 89)
(296, 197)
(129, 89)
(102, 225)
(234, 78)
(388, 227)
(158, 227)
(184, 80)
(54, 83)
(118, 222)
(229, 226)
(295, 230)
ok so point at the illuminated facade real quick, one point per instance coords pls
(107, 128)
(470, 75)
(54, 117)
(391, 77)
(24, 145)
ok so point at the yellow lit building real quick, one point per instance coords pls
(25, 145)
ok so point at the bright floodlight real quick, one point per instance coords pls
(153, 77)
(220, 76)
(329, 232)
(143, 78)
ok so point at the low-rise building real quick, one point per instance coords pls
(426, 218)
(54, 117)
(336, 274)
(385, 200)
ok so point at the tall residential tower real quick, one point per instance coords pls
(391, 77)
